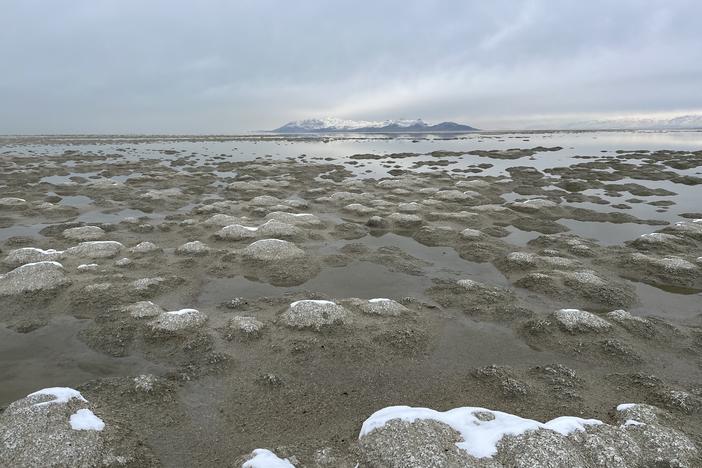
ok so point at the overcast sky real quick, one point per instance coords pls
(218, 66)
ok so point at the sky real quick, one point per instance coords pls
(227, 66)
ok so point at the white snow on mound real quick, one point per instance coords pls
(40, 251)
(268, 241)
(61, 395)
(311, 301)
(52, 262)
(263, 458)
(270, 222)
(480, 437)
(85, 420)
(182, 312)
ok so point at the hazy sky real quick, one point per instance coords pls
(211, 66)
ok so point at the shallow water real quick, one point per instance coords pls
(95, 216)
(607, 233)
(21, 230)
(340, 147)
(54, 356)
(679, 304)
(519, 237)
(364, 279)
(358, 279)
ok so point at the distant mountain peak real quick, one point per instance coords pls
(680, 122)
(333, 124)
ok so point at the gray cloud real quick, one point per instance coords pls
(222, 66)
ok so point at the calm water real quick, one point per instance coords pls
(338, 148)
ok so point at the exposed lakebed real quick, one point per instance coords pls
(214, 295)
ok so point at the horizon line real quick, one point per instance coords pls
(350, 132)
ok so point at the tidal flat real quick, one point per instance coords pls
(488, 299)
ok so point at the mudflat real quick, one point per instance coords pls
(349, 301)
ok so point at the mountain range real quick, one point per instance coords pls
(332, 125)
(681, 122)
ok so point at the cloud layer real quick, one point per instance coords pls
(217, 66)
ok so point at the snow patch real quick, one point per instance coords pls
(263, 458)
(311, 301)
(61, 395)
(267, 241)
(41, 251)
(480, 437)
(633, 422)
(46, 262)
(85, 420)
(182, 312)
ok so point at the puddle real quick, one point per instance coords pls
(675, 303)
(518, 237)
(21, 230)
(607, 233)
(359, 279)
(114, 217)
(75, 200)
(445, 259)
(66, 179)
(364, 279)
(53, 356)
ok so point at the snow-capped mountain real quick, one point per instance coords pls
(331, 124)
(682, 122)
